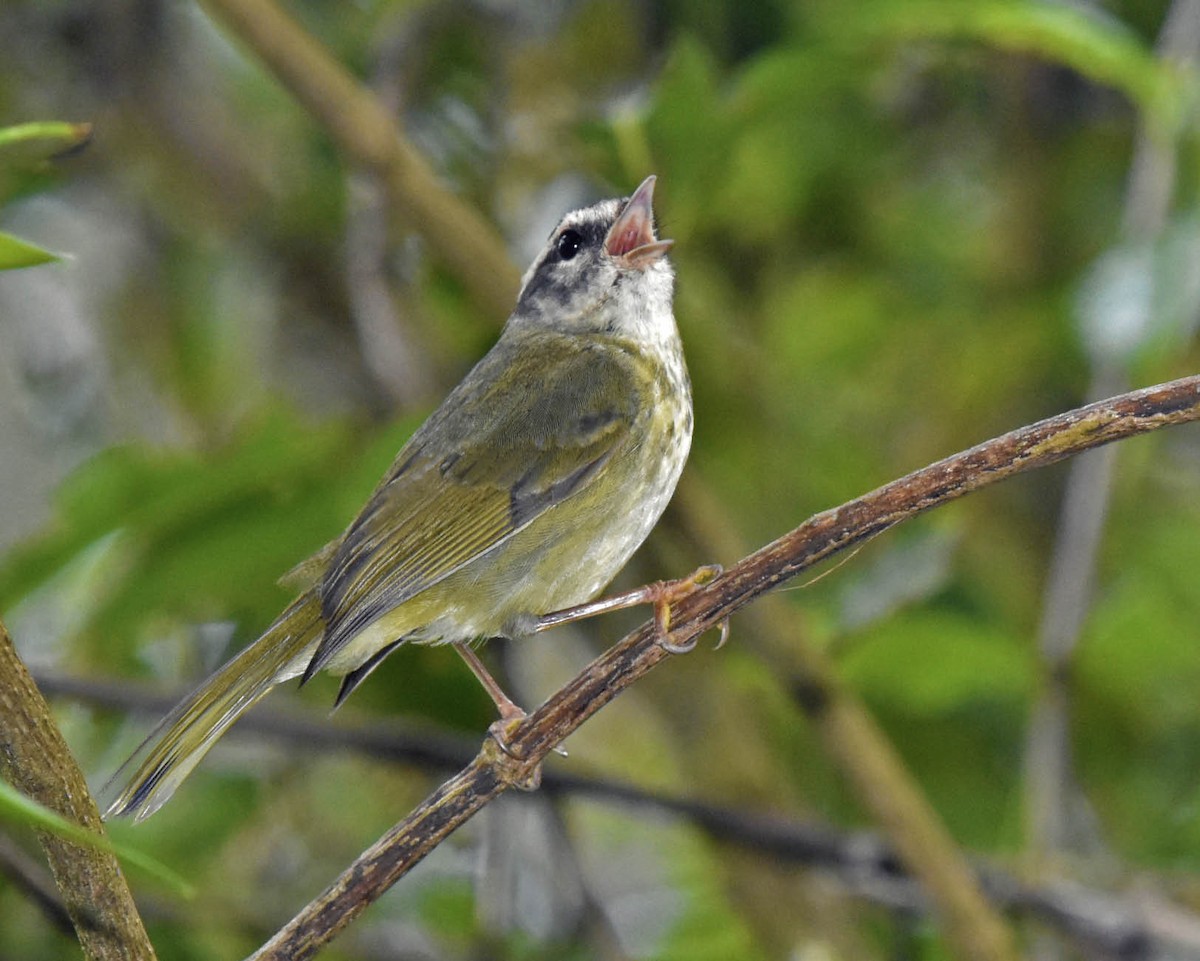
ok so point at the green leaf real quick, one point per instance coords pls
(929, 663)
(16, 253)
(685, 130)
(1093, 44)
(16, 808)
(42, 140)
(144, 537)
(26, 148)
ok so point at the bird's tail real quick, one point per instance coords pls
(184, 736)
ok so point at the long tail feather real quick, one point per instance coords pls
(185, 735)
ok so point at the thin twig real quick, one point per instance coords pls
(369, 136)
(436, 749)
(494, 771)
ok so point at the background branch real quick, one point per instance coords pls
(863, 861)
(370, 136)
(494, 771)
(26, 874)
(1058, 821)
(35, 759)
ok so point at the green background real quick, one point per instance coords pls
(901, 228)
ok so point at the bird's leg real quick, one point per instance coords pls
(508, 708)
(661, 594)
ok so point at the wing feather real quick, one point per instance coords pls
(484, 466)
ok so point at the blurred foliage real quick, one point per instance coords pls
(15, 252)
(15, 808)
(22, 147)
(901, 228)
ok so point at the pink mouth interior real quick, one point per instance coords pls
(632, 235)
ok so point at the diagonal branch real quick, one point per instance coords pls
(493, 771)
(368, 135)
(35, 760)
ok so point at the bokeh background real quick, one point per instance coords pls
(901, 228)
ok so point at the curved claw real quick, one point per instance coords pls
(672, 648)
(513, 769)
(665, 592)
(497, 731)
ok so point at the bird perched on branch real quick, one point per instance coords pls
(522, 495)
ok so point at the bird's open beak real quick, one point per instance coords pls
(630, 240)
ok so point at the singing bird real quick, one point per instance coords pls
(522, 495)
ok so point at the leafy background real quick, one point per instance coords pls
(901, 228)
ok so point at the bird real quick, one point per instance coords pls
(507, 512)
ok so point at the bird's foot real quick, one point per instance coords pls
(664, 593)
(510, 764)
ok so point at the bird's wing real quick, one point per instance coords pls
(511, 442)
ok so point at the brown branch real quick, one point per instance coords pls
(35, 760)
(366, 133)
(822, 536)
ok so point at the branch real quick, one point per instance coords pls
(366, 133)
(434, 749)
(494, 771)
(35, 760)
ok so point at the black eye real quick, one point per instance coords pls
(568, 244)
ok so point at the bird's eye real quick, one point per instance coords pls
(568, 244)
